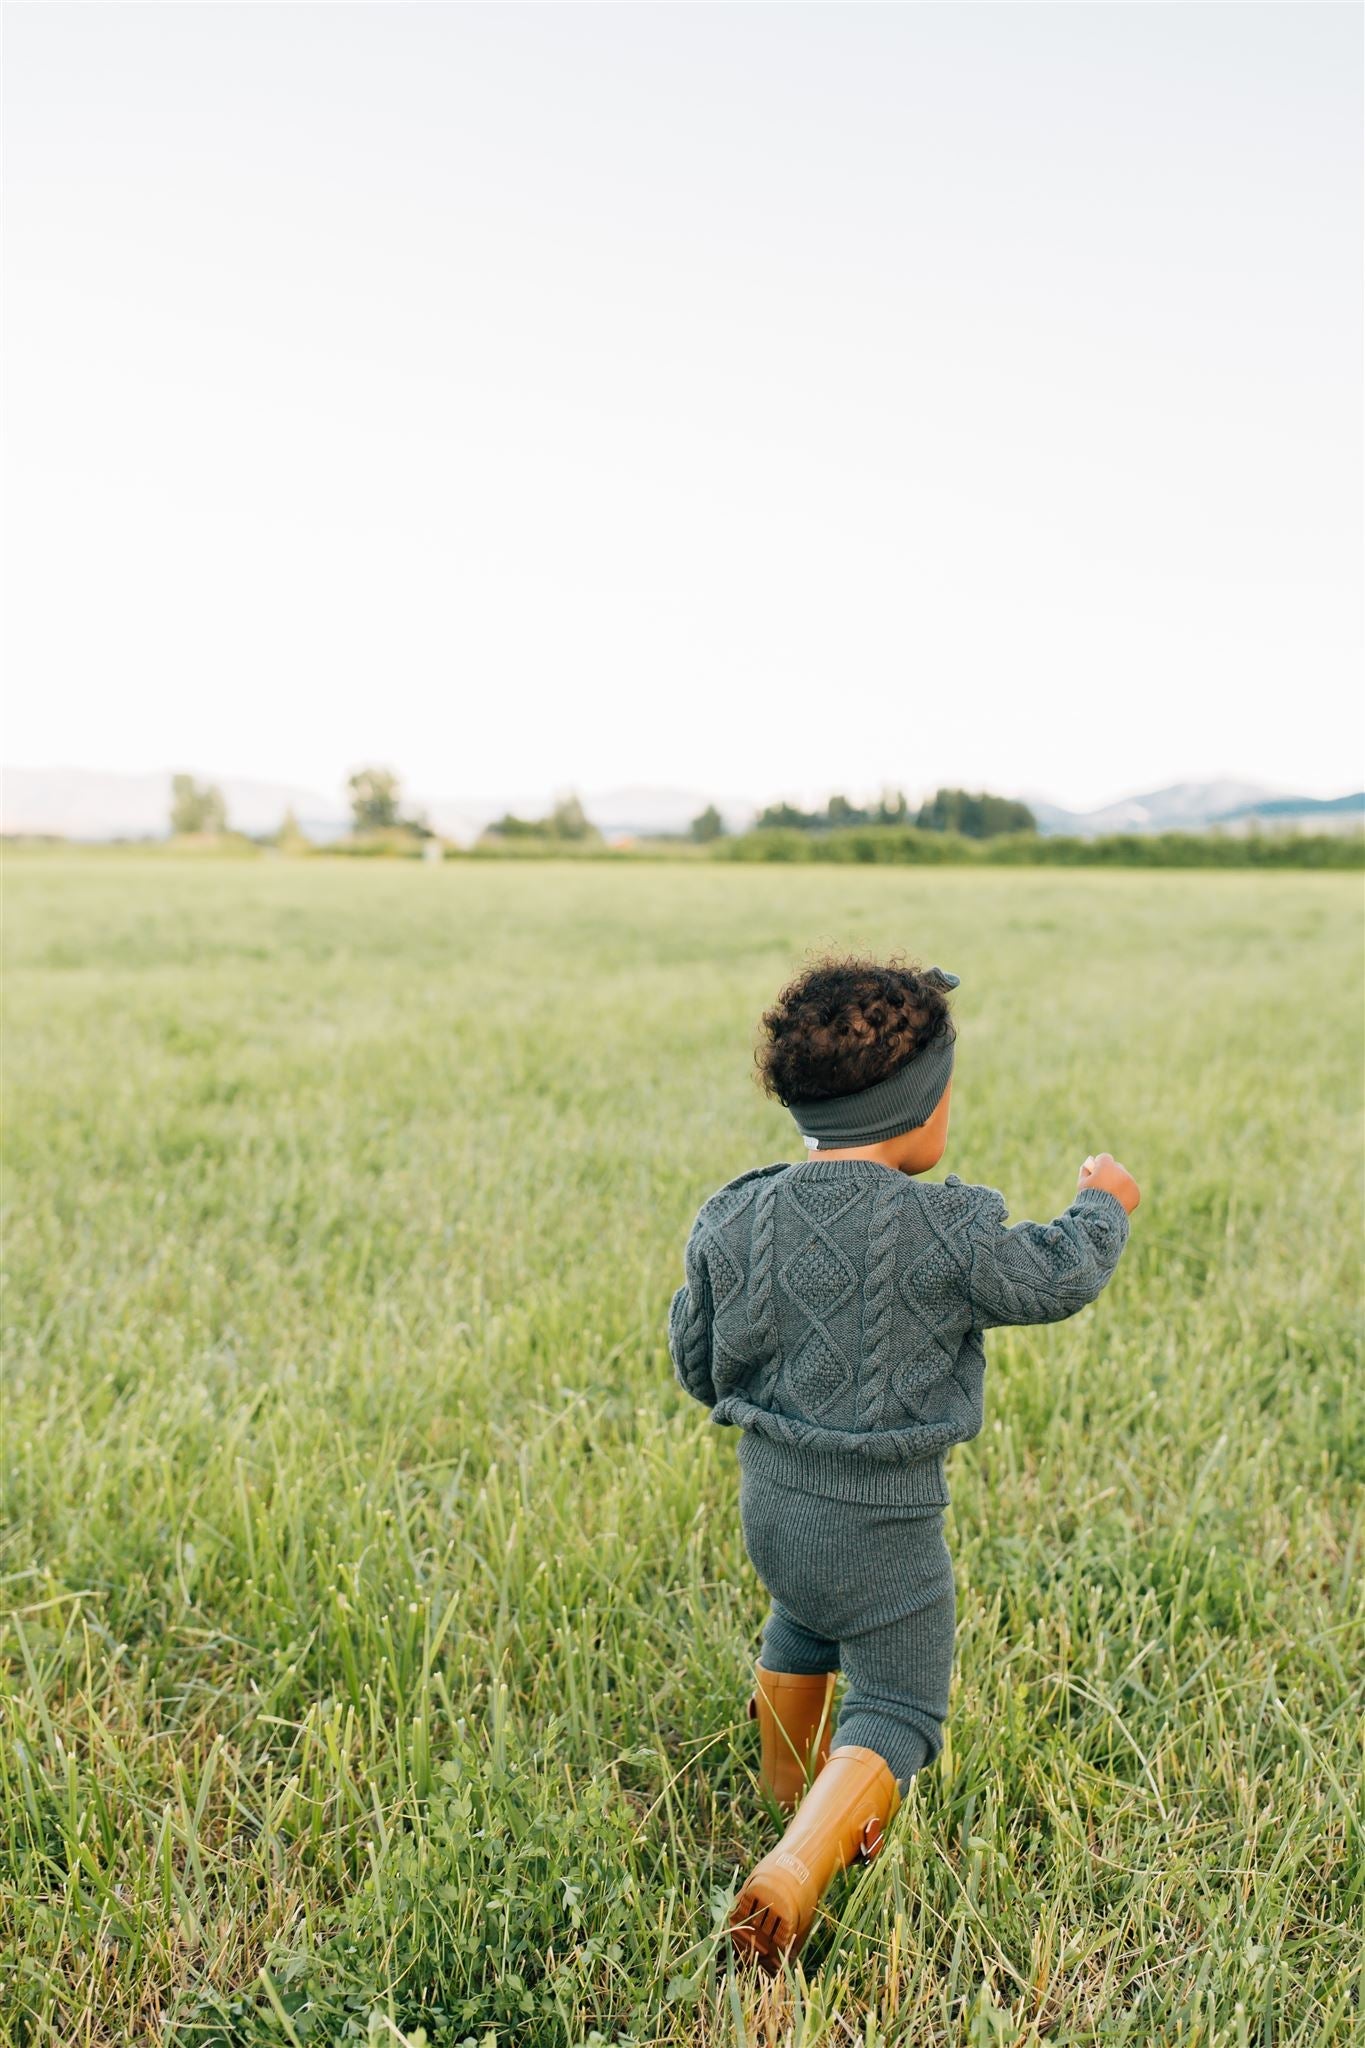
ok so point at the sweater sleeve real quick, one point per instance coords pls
(1042, 1272)
(689, 1327)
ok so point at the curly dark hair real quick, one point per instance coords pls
(844, 1023)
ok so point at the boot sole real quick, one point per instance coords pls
(760, 1934)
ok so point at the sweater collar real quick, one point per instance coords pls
(817, 1168)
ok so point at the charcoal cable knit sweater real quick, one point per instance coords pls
(834, 1309)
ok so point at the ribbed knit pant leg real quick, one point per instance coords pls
(899, 1672)
(868, 1588)
(789, 1646)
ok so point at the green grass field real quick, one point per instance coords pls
(378, 1628)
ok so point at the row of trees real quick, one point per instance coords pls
(568, 824)
(377, 808)
(199, 809)
(974, 817)
(979, 816)
(375, 796)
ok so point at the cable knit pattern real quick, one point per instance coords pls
(879, 1295)
(761, 1292)
(833, 1310)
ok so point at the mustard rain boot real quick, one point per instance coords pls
(842, 1819)
(792, 1709)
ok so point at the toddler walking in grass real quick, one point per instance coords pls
(834, 1310)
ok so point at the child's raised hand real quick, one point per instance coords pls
(1102, 1170)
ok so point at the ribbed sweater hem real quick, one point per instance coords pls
(843, 1475)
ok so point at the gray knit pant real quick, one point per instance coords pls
(868, 1590)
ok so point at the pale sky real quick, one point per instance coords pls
(758, 398)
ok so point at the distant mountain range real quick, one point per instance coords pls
(85, 804)
(1193, 806)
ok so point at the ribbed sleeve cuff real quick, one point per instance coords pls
(1102, 1202)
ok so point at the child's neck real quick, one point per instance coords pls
(896, 1153)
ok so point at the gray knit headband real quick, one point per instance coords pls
(900, 1102)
